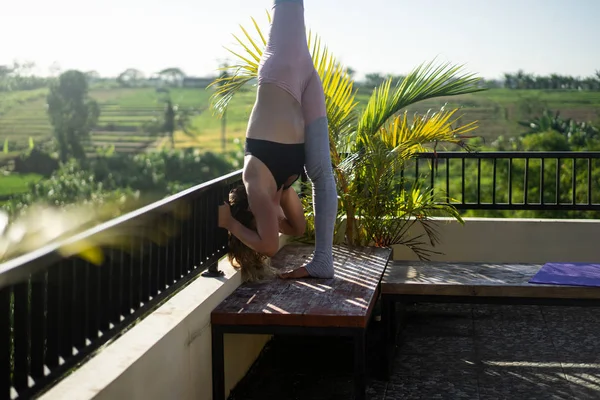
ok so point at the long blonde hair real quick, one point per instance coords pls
(255, 267)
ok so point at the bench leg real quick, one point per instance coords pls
(360, 370)
(218, 364)
(389, 332)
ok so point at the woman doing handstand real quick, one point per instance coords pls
(287, 131)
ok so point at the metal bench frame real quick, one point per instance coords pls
(218, 361)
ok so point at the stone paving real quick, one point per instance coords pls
(445, 351)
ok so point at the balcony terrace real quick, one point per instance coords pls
(138, 327)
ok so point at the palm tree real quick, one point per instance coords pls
(370, 146)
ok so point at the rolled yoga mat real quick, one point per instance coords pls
(573, 274)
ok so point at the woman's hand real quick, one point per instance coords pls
(225, 216)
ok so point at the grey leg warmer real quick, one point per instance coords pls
(319, 170)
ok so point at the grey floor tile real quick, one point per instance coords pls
(584, 379)
(425, 364)
(435, 385)
(437, 345)
(517, 347)
(511, 382)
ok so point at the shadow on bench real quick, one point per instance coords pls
(341, 306)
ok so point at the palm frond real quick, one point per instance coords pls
(425, 82)
(406, 138)
(243, 71)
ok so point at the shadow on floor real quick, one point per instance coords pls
(445, 351)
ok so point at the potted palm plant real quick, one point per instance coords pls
(371, 146)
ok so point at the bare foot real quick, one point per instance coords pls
(298, 273)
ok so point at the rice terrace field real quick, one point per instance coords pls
(124, 111)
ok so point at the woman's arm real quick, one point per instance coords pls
(265, 239)
(293, 222)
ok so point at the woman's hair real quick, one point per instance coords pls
(255, 266)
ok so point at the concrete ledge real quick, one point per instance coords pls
(168, 354)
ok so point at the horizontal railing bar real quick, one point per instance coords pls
(510, 154)
(528, 206)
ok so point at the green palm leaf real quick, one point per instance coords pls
(245, 70)
(425, 82)
(406, 138)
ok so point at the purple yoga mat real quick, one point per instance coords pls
(574, 274)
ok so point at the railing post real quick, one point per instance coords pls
(213, 271)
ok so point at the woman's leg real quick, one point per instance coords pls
(286, 61)
(320, 172)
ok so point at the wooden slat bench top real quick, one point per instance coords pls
(474, 279)
(344, 301)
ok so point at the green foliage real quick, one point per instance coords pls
(70, 184)
(577, 134)
(160, 171)
(527, 81)
(545, 141)
(72, 114)
(548, 132)
(37, 162)
(11, 184)
(105, 178)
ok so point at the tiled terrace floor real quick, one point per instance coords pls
(446, 352)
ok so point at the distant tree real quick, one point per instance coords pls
(5, 71)
(169, 126)
(224, 75)
(92, 76)
(598, 74)
(374, 79)
(130, 77)
(72, 113)
(177, 118)
(351, 72)
(508, 81)
(55, 69)
(545, 141)
(173, 76)
(396, 79)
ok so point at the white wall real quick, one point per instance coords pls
(515, 240)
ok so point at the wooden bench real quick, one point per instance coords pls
(447, 282)
(341, 306)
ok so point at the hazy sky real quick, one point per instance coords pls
(388, 36)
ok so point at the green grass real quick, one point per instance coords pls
(16, 183)
(497, 112)
(12, 99)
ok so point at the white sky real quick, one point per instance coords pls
(387, 36)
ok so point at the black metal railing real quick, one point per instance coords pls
(55, 311)
(512, 180)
